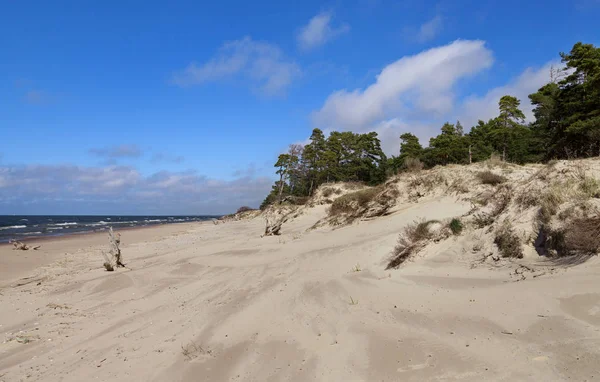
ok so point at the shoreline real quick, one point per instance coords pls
(88, 227)
(15, 264)
(91, 233)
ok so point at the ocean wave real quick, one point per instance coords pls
(28, 233)
(101, 222)
(55, 228)
(13, 227)
(63, 224)
(153, 220)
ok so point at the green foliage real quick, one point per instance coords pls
(567, 125)
(410, 147)
(567, 109)
(455, 226)
(341, 157)
(448, 147)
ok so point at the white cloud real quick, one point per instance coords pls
(417, 94)
(430, 29)
(485, 107)
(319, 31)
(124, 189)
(415, 84)
(261, 63)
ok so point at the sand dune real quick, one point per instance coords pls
(206, 302)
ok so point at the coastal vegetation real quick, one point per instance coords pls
(566, 125)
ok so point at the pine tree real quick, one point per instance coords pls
(507, 122)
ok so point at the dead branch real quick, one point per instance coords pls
(107, 263)
(115, 260)
(20, 246)
(273, 228)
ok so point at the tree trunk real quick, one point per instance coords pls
(280, 186)
(470, 155)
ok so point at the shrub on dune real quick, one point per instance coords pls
(508, 242)
(488, 177)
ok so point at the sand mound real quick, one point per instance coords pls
(516, 211)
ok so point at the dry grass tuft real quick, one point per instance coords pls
(495, 161)
(488, 177)
(366, 203)
(544, 172)
(193, 350)
(411, 239)
(579, 237)
(426, 181)
(549, 203)
(327, 192)
(508, 242)
(501, 201)
(459, 186)
(482, 220)
(528, 199)
(351, 203)
(244, 209)
(582, 236)
(352, 186)
(590, 187)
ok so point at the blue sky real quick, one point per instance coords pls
(181, 107)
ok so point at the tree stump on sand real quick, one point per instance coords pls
(115, 260)
(273, 228)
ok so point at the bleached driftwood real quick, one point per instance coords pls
(20, 246)
(116, 259)
(273, 228)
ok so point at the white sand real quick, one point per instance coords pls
(247, 308)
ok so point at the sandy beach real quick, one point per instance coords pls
(205, 302)
(273, 191)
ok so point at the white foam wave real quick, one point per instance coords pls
(13, 227)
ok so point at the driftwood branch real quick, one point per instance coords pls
(115, 259)
(273, 228)
(20, 246)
